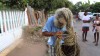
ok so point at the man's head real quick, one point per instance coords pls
(97, 16)
(85, 13)
(61, 17)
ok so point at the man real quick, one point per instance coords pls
(85, 26)
(56, 25)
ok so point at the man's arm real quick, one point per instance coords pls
(47, 29)
(57, 34)
(93, 27)
(48, 33)
(86, 21)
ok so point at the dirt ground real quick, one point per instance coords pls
(27, 48)
(87, 48)
(31, 45)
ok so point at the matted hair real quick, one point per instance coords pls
(70, 40)
(64, 13)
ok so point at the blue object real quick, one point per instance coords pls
(50, 27)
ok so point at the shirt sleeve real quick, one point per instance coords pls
(47, 27)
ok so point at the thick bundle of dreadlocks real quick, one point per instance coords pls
(70, 47)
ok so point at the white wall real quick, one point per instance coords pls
(13, 22)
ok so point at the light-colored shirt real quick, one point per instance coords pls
(50, 27)
(85, 24)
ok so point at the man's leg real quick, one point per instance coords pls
(53, 51)
(97, 39)
(85, 35)
(50, 50)
(94, 37)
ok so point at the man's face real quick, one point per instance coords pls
(85, 13)
(62, 22)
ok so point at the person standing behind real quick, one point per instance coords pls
(96, 29)
(85, 26)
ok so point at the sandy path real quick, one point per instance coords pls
(39, 49)
(29, 49)
(87, 48)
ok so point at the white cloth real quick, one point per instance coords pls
(86, 18)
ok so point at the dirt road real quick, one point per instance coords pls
(87, 48)
(39, 49)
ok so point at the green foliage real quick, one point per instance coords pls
(37, 28)
(13, 4)
(96, 7)
(79, 6)
(84, 7)
(47, 5)
(76, 7)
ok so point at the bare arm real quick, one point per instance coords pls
(86, 21)
(93, 26)
(57, 34)
(48, 33)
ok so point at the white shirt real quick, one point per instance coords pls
(85, 18)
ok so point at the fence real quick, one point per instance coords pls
(11, 23)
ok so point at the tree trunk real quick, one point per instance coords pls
(46, 15)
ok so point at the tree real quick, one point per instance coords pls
(48, 5)
(76, 7)
(14, 4)
(85, 6)
(96, 7)
(79, 6)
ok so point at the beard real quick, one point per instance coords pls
(57, 24)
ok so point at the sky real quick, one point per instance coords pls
(91, 1)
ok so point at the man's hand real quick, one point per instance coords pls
(59, 34)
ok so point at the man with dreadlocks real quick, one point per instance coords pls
(57, 25)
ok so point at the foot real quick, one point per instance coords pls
(86, 40)
(94, 41)
(83, 40)
(96, 44)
